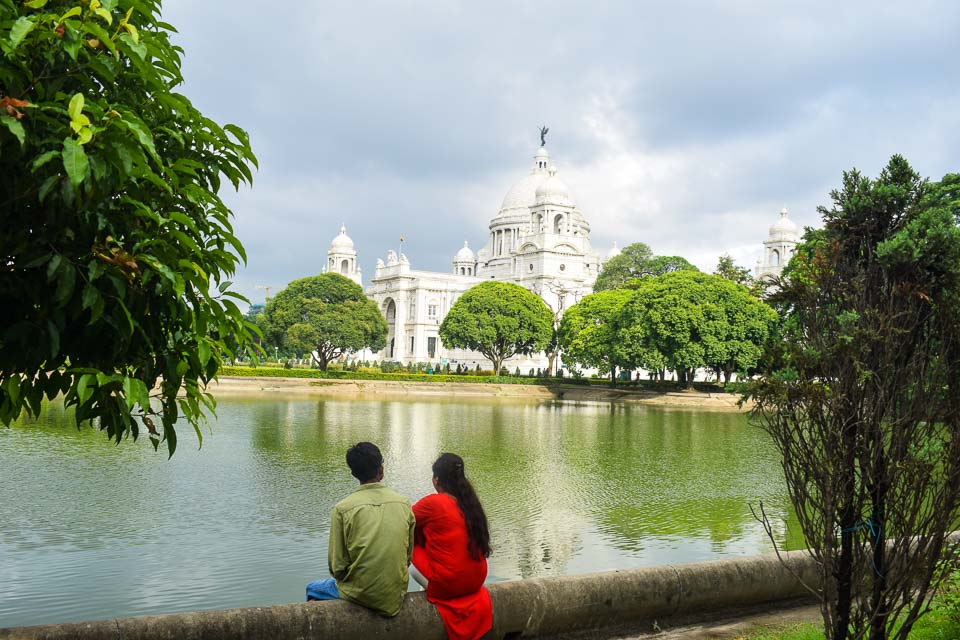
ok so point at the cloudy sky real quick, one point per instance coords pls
(685, 125)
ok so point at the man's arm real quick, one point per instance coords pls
(338, 557)
(413, 525)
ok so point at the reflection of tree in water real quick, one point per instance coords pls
(675, 475)
(546, 472)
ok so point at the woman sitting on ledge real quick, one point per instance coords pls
(451, 545)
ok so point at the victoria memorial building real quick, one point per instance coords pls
(539, 239)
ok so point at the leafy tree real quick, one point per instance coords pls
(500, 320)
(325, 316)
(686, 320)
(866, 410)
(727, 268)
(632, 262)
(588, 331)
(637, 261)
(116, 245)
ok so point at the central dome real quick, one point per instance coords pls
(553, 191)
(523, 194)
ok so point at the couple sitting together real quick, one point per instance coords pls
(374, 536)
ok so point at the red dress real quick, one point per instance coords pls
(455, 578)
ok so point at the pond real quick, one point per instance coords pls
(89, 530)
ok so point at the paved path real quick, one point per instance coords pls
(726, 629)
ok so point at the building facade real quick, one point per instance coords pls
(539, 239)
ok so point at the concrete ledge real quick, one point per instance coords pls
(524, 608)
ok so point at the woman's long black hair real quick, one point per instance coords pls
(448, 469)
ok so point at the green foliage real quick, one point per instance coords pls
(588, 331)
(116, 244)
(637, 261)
(500, 320)
(325, 316)
(864, 404)
(264, 372)
(686, 320)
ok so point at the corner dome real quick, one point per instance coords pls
(614, 251)
(465, 254)
(342, 243)
(785, 227)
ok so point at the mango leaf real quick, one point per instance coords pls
(43, 159)
(76, 106)
(74, 161)
(72, 13)
(20, 29)
(35, 4)
(15, 128)
(104, 14)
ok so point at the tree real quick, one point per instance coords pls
(588, 331)
(326, 316)
(632, 262)
(500, 320)
(637, 261)
(685, 320)
(116, 245)
(866, 409)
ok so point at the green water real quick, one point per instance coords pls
(89, 530)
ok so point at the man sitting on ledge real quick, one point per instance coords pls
(371, 540)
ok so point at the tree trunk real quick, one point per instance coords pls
(322, 361)
(878, 624)
(613, 376)
(726, 377)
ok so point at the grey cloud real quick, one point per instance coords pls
(415, 118)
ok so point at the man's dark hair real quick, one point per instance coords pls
(364, 460)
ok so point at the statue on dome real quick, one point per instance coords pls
(544, 130)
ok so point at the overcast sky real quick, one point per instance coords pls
(684, 125)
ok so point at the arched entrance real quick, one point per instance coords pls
(390, 313)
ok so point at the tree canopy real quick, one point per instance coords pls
(686, 320)
(588, 331)
(865, 407)
(500, 320)
(326, 316)
(116, 245)
(637, 261)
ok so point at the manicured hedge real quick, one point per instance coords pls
(271, 372)
(277, 372)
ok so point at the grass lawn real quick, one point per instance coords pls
(936, 625)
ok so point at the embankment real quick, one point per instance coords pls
(595, 603)
(387, 388)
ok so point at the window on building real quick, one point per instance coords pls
(431, 347)
(432, 311)
(775, 257)
(411, 345)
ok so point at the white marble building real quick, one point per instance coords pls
(778, 247)
(538, 239)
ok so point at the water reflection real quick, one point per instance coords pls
(568, 488)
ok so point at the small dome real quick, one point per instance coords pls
(342, 243)
(553, 191)
(614, 251)
(465, 254)
(785, 227)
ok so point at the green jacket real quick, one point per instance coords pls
(371, 542)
